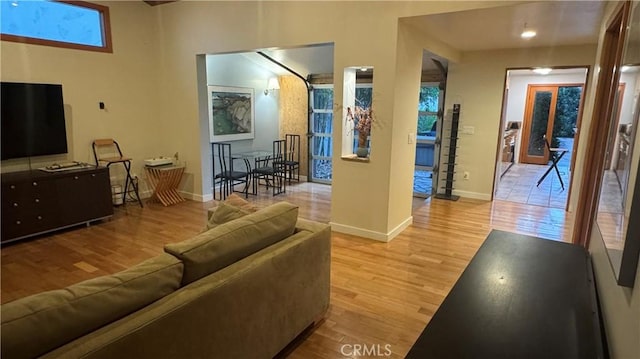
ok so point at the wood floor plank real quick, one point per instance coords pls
(381, 293)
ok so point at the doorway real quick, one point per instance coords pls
(540, 126)
(430, 101)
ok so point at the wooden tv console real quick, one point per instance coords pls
(35, 202)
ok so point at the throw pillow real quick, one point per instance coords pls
(237, 201)
(225, 213)
(232, 241)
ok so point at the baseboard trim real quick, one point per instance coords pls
(366, 233)
(196, 197)
(399, 228)
(473, 195)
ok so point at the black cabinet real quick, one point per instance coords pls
(34, 202)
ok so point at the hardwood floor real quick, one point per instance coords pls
(382, 293)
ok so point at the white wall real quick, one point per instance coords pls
(518, 85)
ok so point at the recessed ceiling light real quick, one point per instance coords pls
(527, 33)
(625, 68)
(363, 69)
(542, 70)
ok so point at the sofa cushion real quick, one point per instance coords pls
(39, 323)
(232, 241)
(237, 201)
(224, 213)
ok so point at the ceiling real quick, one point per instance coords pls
(558, 23)
(569, 71)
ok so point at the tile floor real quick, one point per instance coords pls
(519, 185)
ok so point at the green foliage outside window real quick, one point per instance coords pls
(427, 108)
(567, 111)
(428, 101)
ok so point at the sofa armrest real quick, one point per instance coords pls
(311, 226)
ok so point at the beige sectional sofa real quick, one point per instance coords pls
(243, 289)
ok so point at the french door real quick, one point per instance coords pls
(538, 123)
(551, 111)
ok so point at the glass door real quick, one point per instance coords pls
(321, 143)
(539, 115)
(551, 111)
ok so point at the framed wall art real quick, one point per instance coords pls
(231, 113)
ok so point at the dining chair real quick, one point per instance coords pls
(224, 175)
(292, 157)
(272, 169)
(106, 152)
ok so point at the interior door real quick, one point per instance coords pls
(538, 122)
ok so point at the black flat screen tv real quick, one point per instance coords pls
(32, 121)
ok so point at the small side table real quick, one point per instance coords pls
(164, 181)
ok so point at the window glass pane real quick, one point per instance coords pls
(323, 98)
(322, 169)
(428, 101)
(426, 124)
(322, 122)
(50, 20)
(363, 96)
(322, 146)
(539, 121)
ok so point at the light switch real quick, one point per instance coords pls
(412, 138)
(468, 130)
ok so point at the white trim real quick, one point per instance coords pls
(196, 197)
(365, 233)
(474, 195)
(399, 228)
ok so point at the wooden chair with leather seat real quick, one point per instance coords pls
(106, 152)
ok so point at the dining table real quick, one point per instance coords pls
(251, 159)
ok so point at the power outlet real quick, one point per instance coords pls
(465, 175)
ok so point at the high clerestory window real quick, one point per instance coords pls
(70, 24)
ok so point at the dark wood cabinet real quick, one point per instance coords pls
(35, 202)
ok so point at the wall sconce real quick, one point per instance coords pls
(272, 85)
